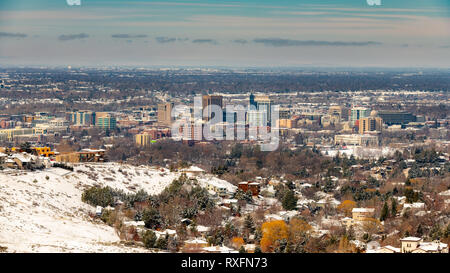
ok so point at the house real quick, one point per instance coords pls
(254, 187)
(219, 249)
(194, 244)
(193, 170)
(288, 215)
(202, 230)
(416, 245)
(23, 160)
(136, 224)
(221, 187)
(388, 249)
(273, 217)
(417, 206)
(85, 155)
(431, 247)
(167, 232)
(9, 163)
(330, 201)
(410, 243)
(372, 247)
(361, 214)
(347, 221)
(250, 248)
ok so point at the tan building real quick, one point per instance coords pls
(85, 155)
(371, 124)
(143, 140)
(361, 214)
(355, 139)
(10, 134)
(165, 114)
(285, 123)
(211, 100)
(194, 245)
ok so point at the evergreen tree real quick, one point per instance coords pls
(289, 201)
(384, 212)
(151, 218)
(393, 207)
(419, 231)
(242, 250)
(447, 231)
(249, 224)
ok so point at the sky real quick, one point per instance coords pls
(238, 33)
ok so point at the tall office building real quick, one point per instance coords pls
(264, 105)
(105, 121)
(257, 118)
(165, 114)
(252, 102)
(82, 118)
(358, 113)
(212, 100)
(371, 124)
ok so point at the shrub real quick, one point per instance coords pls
(162, 242)
(109, 217)
(97, 196)
(151, 218)
(149, 239)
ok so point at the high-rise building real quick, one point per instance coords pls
(82, 118)
(105, 121)
(373, 123)
(358, 113)
(252, 102)
(264, 104)
(257, 118)
(165, 114)
(212, 100)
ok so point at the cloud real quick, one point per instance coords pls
(128, 36)
(278, 42)
(204, 41)
(12, 35)
(164, 40)
(69, 37)
(240, 41)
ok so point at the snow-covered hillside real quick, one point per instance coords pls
(42, 211)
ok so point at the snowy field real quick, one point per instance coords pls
(42, 211)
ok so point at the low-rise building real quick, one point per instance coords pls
(361, 214)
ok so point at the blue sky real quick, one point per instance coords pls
(397, 33)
